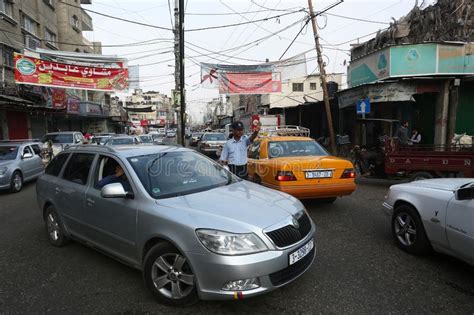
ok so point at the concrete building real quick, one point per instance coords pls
(54, 25)
(152, 109)
(419, 71)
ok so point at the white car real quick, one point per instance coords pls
(434, 214)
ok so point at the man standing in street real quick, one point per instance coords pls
(402, 133)
(234, 153)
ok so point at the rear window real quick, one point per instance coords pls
(55, 166)
(295, 148)
(213, 137)
(78, 167)
(59, 138)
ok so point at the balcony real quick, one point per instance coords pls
(86, 22)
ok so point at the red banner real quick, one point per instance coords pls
(250, 83)
(29, 70)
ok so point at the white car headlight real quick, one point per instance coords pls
(3, 170)
(226, 243)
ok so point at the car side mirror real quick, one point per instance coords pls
(115, 190)
(27, 156)
(465, 193)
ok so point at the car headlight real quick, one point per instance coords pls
(226, 243)
(3, 170)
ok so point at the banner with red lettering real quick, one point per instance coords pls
(29, 70)
(250, 83)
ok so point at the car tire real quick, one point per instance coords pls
(257, 179)
(408, 231)
(16, 182)
(420, 176)
(169, 276)
(54, 228)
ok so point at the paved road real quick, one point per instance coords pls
(357, 270)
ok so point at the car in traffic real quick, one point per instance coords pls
(20, 162)
(210, 142)
(123, 140)
(195, 137)
(157, 138)
(146, 139)
(433, 214)
(299, 166)
(101, 140)
(195, 230)
(171, 133)
(62, 139)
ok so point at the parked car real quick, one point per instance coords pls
(299, 166)
(157, 138)
(196, 136)
(123, 140)
(433, 214)
(193, 228)
(20, 161)
(145, 138)
(171, 133)
(62, 139)
(210, 142)
(100, 139)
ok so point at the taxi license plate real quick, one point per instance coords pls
(318, 174)
(301, 252)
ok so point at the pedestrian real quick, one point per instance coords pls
(402, 133)
(234, 153)
(415, 137)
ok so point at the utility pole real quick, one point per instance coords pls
(178, 57)
(182, 113)
(322, 73)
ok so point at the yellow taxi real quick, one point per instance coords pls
(299, 166)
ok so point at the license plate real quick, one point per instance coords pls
(301, 252)
(318, 174)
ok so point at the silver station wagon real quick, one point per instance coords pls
(192, 228)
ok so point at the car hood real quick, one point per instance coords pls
(442, 183)
(239, 207)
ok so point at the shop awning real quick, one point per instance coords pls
(8, 99)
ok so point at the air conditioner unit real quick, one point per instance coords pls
(31, 42)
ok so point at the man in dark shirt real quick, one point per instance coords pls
(402, 133)
(118, 177)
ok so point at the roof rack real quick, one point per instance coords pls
(90, 146)
(286, 130)
(20, 140)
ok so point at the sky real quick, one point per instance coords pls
(156, 58)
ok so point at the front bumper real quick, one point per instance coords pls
(271, 268)
(5, 180)
(209, 150)
(316, 191)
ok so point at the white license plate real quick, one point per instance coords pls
(301, 252)
(318, 174)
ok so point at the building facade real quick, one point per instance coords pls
(25, 110)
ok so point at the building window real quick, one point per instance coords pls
(297, 87)
(7, 56)
(29, 25)
(49, 2)
(50, 37)
(75, 23)
(6, 7)
(312, 86)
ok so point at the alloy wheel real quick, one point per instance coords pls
(172, 276)
(53, 227)
(405, 229)
(17, 182)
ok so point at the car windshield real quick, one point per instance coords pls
(120, 141)
(295, 148)
(157, 136)
(58, 138)
(8, 152)
(146, 139)
(213, 137)
(172, 174)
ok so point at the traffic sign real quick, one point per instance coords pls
(363, 106)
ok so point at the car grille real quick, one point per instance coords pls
(289, 235)
(292, 271)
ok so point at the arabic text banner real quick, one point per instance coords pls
(250, 83)
(29, 70)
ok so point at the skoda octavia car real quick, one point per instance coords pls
(192, 228)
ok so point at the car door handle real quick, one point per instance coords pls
(435, 220)
(90, 201)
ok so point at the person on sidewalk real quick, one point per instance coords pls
(234, 152)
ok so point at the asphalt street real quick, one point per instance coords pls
(358, 269)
